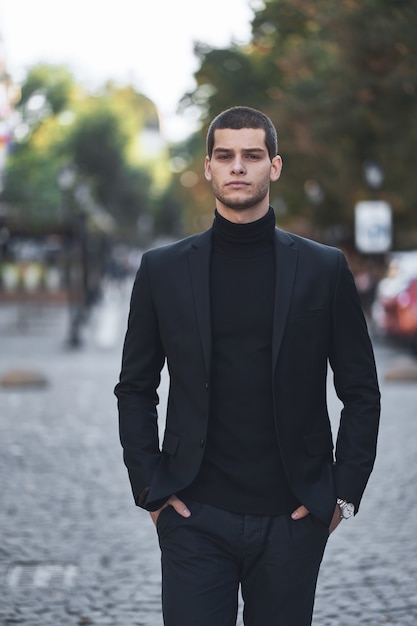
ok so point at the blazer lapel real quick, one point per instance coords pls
(285, 269)
(199, 264)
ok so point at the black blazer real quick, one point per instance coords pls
(317, 320)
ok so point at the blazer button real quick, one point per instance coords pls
(202, 442)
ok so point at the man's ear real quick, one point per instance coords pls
(207, 168)
(276, 168)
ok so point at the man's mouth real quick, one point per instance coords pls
(237, 184)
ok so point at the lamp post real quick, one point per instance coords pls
(66, 182)
(373, 174)
(315, 195)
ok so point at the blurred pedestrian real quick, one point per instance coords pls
(245, 489)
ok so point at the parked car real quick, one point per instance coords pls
(394, 310)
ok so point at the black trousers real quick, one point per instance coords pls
(206, 558)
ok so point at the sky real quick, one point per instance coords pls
(148, 43)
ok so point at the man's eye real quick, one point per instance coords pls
(253, 157)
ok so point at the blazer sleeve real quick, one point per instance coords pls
(142, 361)
(356, 384)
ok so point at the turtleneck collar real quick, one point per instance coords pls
(243, 238)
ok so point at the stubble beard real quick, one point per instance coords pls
(242, 204)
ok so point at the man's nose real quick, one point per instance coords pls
(237, 166)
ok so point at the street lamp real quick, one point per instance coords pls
(374, 175)
(315, 195)
(66, 177)
(314, 192)
(66, 180)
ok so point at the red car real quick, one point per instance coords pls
(394, 311)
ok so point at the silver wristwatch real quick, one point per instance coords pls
(347, 509)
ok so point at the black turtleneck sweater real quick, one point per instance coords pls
(242, 470)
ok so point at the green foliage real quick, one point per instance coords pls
(225, 78)
(31, 185)
(188, 187)
(56, 83)
(339, 81)
(97, 145)
(96, 134)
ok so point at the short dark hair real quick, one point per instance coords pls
(244, 117)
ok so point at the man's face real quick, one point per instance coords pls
(240, 172)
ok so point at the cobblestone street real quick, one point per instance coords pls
(75, 550)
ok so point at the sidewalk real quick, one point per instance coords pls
(75, 550)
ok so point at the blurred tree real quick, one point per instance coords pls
(188, 187)
(226, 77)
(47, 89)
(378, 50)
(30, 186)
(100, 135)
(97, 146)
(339, 80)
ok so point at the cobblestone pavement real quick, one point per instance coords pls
(74, 550)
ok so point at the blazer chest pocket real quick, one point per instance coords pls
(301, 314)
(319, 444)
(170, 442)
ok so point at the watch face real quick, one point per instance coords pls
(348, 510)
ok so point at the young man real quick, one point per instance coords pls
(245, 489)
